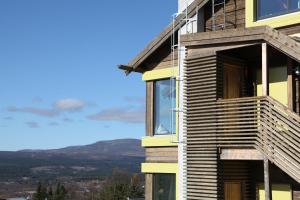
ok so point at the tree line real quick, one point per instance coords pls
(119, 186)
(46, 193)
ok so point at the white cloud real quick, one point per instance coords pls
(53, 124)
(37, 100)
(132, 99)
(8, 118)
(69, 104)
(36, 111)
(32, 124)
(66, 119)
(128, 115)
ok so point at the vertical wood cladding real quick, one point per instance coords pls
(235, 15)
(149, 108)
(297, 95)
(169, 61)
(164, 59)
(200, 95)
(148, 186)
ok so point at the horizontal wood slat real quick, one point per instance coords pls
(249, 122)
(271, 128)
(162, 155)
(200, 94)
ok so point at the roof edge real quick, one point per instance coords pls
(273, 37)
(166, 34)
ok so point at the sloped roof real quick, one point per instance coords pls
(163, 36)
(273, 37)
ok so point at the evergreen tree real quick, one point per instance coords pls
(50, 194)
(136, 188)
(60, 192)
(120, 186)
(41, 192)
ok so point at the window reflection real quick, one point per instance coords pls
(164, 186)
(270, 8)
(164, 101)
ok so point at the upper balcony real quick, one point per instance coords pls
(242, 91)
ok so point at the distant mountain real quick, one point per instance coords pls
(88, 161)
(99, 150)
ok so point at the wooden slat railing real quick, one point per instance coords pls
(263, 123)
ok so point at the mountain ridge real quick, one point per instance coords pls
(93, 160)
(98, 150)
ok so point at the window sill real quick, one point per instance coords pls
(160, 141)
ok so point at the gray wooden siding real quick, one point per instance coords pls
(235, 15)
(162, 154)
(201, 93)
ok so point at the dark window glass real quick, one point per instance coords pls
(164, 101)
(270, 8)
(164, 187)
(295, 4)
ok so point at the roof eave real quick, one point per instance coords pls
(166, 34)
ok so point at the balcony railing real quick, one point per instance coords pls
(262, 123)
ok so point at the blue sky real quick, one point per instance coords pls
(59, 84)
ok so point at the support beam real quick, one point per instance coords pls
(265, 92)
(241, 154)
(265, 71)
(268, 188)
(291, 84)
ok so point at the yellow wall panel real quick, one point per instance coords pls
(160, 74)
(159, 141)
(278, 84)
(162, 168)
(279, 192)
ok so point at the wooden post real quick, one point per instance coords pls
(268, 188)
(148, 186)
(265, 92)
(290, 82)
(149, 107)
(265, 74)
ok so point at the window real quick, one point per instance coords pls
(270, 8)
(164, 101)
(164, 187)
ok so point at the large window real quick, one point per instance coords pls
(164, 187)
(164, 101)
(270, 8)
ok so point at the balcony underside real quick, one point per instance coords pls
(240, 154)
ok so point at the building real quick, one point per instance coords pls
(222, 110)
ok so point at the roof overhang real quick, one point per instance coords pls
(245, 36)
(162, 38)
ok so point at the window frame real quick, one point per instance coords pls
(154, 177)
(257, 8)
(174, 131)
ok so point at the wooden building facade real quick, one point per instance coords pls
(223, 103)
